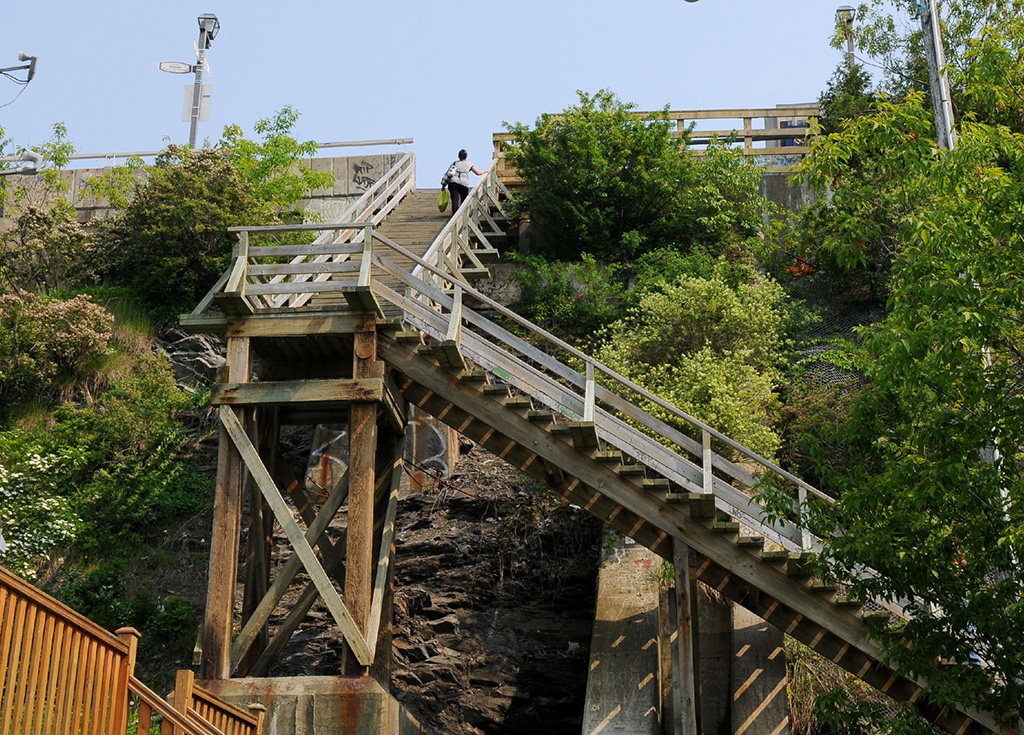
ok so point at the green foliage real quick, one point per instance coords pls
(603, 180)
(572, 300)
(711, 348)
(271, 169)
(927, 504)
(36, 514)
(45, 248)
(848, 95)
(168, 240)
(170, 243)
(875, 168)
(48, 343)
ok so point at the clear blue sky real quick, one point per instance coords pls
(445, 74)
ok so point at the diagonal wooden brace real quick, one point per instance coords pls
(291, 529)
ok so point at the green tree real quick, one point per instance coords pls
(603, 180)
(170, 243)
(168, 239)
(45, 248)
(272, 168)
(933, 503)
(711, 344)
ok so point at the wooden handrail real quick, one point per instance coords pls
(62, 673)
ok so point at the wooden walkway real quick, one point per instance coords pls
(683, 490)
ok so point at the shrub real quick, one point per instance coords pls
(573, 300)
(46, 343)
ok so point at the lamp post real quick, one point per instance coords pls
(208, 29)
(845, 15)
(942, 103)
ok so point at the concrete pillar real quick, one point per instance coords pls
(623, 694)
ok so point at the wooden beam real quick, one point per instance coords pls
(341, 615)
(362, 456)
(387, 549)
(227, 520)
(689, 660)
(289, 392)
(315, 534)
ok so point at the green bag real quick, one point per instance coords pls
(443, 200)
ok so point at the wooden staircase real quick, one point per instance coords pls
(586, 432)
(774, 584)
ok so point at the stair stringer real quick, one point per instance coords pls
(836, 634)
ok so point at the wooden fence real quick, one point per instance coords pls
(61, 674)
(776, 145)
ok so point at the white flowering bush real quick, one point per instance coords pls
(35, 517)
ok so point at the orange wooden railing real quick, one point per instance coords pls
(60, 673)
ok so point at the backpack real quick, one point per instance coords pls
(449, 175)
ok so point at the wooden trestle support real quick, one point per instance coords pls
(335, 378)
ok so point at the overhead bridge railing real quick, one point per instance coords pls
(774, 137)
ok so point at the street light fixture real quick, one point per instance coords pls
(31, 66)
(845, 15)
(209, 26)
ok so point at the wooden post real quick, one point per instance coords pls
(709, 486)
(122, 699)
(183, 683)
(688, 673)
(227, 526)
(362, 454)
(260, 536)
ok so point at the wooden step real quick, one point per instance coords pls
(609, 457)
(797, 566)
(729, 529)
(700, 505)
(497, 390)
(656, 484)
(414, 337)
(473, 377)
(471, 274)
(543, 419)
(750, 542)
(632, 471)
(520, 404)
(777, 558)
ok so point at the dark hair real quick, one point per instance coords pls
(463, 154)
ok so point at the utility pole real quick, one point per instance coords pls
(942, 101)
(208, 27)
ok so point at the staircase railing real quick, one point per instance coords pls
(334, 244)
(62, 673)
(452, 246)
(600, 395)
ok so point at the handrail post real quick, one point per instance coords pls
(805, 533)
(261, 714)
(183, 683)
(122, 702)
(589, 393)
(455, 319)
(365, 263)
(707, 458)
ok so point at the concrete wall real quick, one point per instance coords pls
(353, 175)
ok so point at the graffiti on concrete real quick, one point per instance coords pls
(363, 174)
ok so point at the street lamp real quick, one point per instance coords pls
(31, 66)
(845, 15)
(209, 26)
